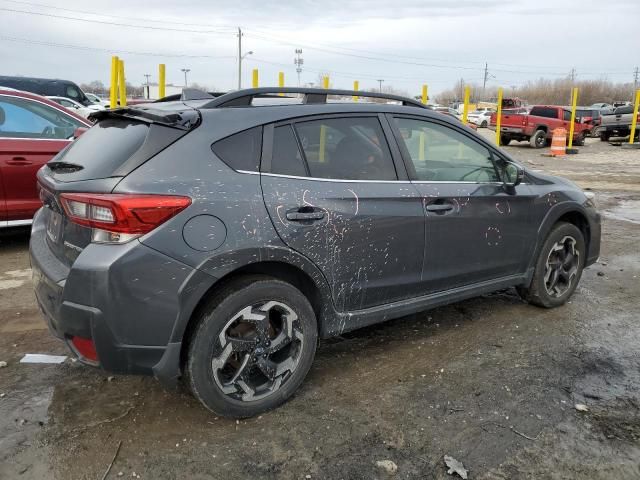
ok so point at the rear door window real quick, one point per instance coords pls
(349, 148)
(242, 150)
(286, 158)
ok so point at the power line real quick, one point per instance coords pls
(109, 50)
(104, 22)
(140, 19)
(221, 30)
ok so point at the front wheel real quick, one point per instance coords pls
(252, 348)
(483, 124)
(579, 141)
(558, 267)
(505, 140)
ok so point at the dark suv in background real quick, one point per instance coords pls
(217, 239)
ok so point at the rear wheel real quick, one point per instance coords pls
(252, 348)
(538, 139)
(505, 140)
(483, 124)
(579, 141)
(605, 136)
(558, 268)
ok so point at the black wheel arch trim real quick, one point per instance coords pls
(553, 215)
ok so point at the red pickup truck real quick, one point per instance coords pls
(537, 126)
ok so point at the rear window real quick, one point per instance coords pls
(544, 112)
(105, 147)
(623, 110)
(242, 150)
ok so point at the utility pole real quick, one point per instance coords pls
(636, 77)
(380, 83)
(239, 58)
(185, 71)
(298, 61)
(572, 77)
(486, 75)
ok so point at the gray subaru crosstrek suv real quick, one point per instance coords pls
(218, 239)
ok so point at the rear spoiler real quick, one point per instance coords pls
(184, 119)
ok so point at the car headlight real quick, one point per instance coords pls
(591, 199)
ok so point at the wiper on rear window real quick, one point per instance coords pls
(64, 167)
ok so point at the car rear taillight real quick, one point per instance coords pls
(85, 348)
(118, 218)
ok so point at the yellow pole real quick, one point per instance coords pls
(254, 78)
(325, 81)
(162, 78)
(499, 116)
(356, 87)
(122, 84)
(634, 120)
(425, 96)
(574, 102)
(113, 91)
(281, 82)
(465, 111)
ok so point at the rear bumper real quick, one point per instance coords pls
(509, 130)
(129, 299)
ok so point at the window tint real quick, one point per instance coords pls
(286, 158)
(346, 148)
(544, 112)
(30, 119)
(242, 150)
(441, 154)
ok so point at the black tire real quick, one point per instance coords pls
(242, 300)
(504, 140)
(483, 124)
(605, 136)
(579, 141)
(538, 139)
(538, 293)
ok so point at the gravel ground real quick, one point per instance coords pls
(491, 381)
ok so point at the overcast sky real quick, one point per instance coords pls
(404, 42)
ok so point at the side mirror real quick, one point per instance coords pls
(512, 174)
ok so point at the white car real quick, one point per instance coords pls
(75, 106)
(97, 100)
(481, 117)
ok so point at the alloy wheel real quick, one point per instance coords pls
(562, 267)
(260, 348)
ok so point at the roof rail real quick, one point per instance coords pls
(243, 98)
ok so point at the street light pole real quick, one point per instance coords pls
(185, 71)
(380, 82)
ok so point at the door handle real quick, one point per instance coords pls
(305, 214)
(19, 161)
(439, 207)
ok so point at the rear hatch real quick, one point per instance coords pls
(117, 144)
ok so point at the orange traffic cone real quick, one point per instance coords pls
(559, 143)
